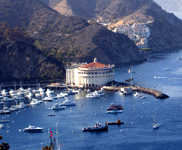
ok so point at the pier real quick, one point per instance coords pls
(155, 93)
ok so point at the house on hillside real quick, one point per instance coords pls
(94, 74)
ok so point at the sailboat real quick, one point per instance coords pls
(4, 120)
(155, 125)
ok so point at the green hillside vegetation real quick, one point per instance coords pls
(24, 60)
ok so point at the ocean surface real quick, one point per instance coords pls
(138, 114)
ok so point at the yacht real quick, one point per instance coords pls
(68, 103)
(7, 99)
(22, 105)
(4, 92)
(60, 95)
(97, 128)
(92, 95)
(114, 111)
(30, 95)
(48, 98)
(126, 91)
(35, 102)
(57, 106)
(49, 92)
(33, 129)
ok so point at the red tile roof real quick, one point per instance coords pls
(95, 65)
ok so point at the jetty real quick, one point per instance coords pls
(155, 93)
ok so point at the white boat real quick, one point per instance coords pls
(126, 91)
(64, 94)
(13, 108)
(155, 125)
(57, 106)
(16, 98)
(140, 95)
(30, 95)
(22, 105)
(60, 95)
(41, 90)
(166, 69)
(35, 102)
(70, 92)
(68, 103)
(33, 129)
(114, 111)
(74, 91)
(12, 92)
(49, 92)
(7, 99)
(91, 95)
(4, 120)
(4, 92)
(2, 126)
(48, 98)
(20, 93)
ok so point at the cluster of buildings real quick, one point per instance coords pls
(138, 32)
(94, 74)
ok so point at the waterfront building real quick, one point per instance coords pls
(90, 75)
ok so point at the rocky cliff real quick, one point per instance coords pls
(165, 28)
(72, 37)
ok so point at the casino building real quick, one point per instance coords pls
(92, 74)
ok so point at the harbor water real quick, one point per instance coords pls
(138, 114)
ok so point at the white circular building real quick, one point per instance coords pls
(89, 75)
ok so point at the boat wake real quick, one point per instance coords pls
(167, 78)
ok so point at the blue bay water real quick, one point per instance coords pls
(136, 133)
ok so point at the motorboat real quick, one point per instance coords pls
(35, 102)
(51, 115)
(22, 105)
(48, 99)
(166, 69)
(126, 91)
(30, 95)
(49, 92)
(2, 126)
(70, 92)
(33, 129)
(5, 110)
(13, 108)
(74, 91)
(7, 99)
(140, 95)
(68, 103)
(114, 111)
(4, 92)
(118, 122)
(97, 128)
(92, 95)
(60, 95)
(57, 106)
(115, 106)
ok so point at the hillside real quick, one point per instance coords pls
(20, 59)
(64, 38)
(165, 28)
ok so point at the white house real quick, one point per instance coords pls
(92, 74)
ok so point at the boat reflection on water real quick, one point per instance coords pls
(118, 122)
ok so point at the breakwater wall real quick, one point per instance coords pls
(155, 93)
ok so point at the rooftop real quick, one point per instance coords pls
(95, 65)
